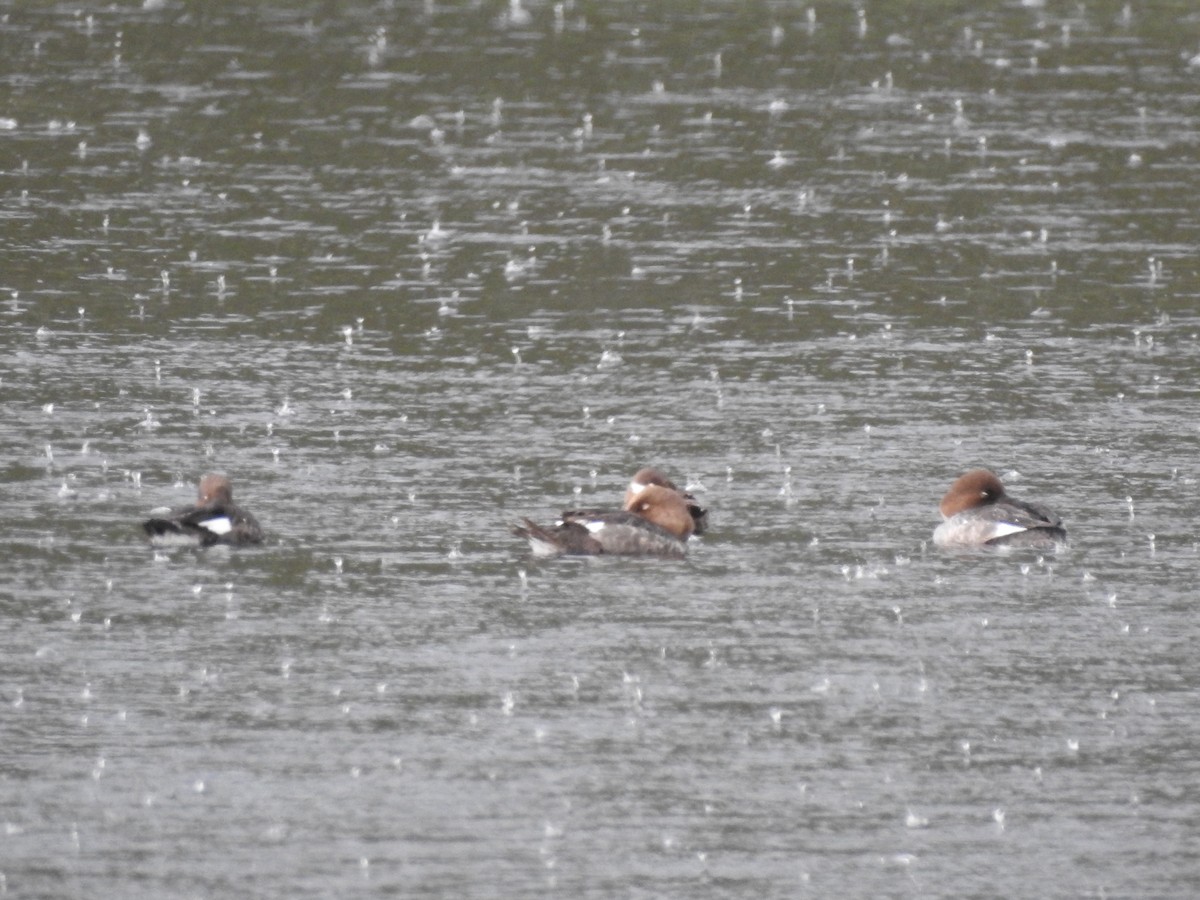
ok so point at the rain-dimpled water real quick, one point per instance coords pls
(410, 272)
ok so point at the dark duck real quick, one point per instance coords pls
(215, 519)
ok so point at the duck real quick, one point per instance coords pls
(215, 519)
(978, 512)
(657, 522)
(643, 478)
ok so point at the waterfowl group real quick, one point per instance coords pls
(656, 519)
(978, 512)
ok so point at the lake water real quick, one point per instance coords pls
(410, 271)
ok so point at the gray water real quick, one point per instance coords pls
(410, 271)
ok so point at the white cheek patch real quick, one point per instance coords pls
(220, 525)
(636, 487)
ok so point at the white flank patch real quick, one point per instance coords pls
(1004, 529)
(541, 548)
(173, 539)
(594, 526)
(972, 532)
(219, 525)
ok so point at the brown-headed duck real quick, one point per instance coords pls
(648, 476)
(978, 512)
(656, 522)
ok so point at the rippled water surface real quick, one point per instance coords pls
(409, 271)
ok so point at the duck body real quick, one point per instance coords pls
(979, 512)
(657, 523)
(617, 533)
(214, 519)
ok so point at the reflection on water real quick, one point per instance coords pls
(409, 271)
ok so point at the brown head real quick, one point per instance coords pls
(665, 508)
(642, 479)
(978, 487)
(215, 488)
